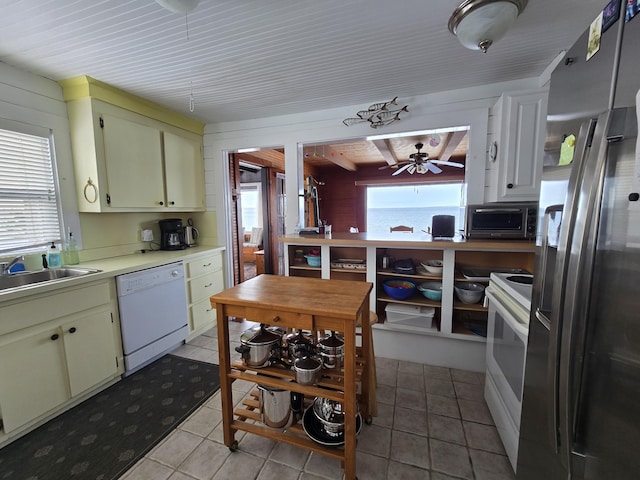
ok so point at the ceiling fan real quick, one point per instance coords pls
(420, 162)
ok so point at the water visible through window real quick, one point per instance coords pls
(413, 206)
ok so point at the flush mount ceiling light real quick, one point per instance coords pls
(179, 6)
(480, 23)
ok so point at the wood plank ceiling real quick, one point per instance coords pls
(250, 59)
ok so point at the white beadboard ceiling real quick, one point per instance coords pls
(249, 59)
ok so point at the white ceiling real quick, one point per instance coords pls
(257, 58)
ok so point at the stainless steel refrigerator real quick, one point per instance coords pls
(581, 398)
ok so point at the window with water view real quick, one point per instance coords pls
(413, 206)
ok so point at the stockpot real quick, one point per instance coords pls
(275, 406)
(260, 345)
(298, 345)
(331, 348)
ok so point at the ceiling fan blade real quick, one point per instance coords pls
(450, 164)
(401, 169)
(396, 165)
(432, 168)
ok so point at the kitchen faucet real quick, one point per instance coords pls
(6, 266)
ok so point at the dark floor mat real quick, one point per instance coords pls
(104, 436)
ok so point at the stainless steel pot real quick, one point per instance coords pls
(330, 415)
(298, 345)
(259, 345)
(275, 406)
(307, 370)
(331, 348)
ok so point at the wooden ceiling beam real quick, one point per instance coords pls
(452, 143)
(384, 147)
(343, 162)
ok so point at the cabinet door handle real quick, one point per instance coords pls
(509, 185)
(172, 203)
(72, 330)
(210, 309)
(206, 265)
(208, 285)
(276, 319)
(55, 336)
(161, 203)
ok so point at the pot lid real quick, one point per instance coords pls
(259, 336)
(298, 338)
(332, 340)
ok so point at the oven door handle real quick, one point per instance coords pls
(503, 305)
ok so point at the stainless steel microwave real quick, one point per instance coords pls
(502, 220)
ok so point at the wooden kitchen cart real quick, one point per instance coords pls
(298, 303)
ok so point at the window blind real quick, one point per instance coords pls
(29, 213)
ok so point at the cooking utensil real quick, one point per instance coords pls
(275, 406)
(330, 414)
(259, 345)
(298, 345)
(331, 348)
(307, 370)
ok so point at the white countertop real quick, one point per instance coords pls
(109, 267)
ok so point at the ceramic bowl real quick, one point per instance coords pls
(431, 290)
(469, 292)
(313, 260)
(433, 266)
(399, 289)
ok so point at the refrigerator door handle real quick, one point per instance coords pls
(569, 216)
(579, 261)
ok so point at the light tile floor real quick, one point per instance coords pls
(432, 424)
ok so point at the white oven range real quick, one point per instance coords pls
(509, 301)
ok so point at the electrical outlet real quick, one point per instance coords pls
(146, 235)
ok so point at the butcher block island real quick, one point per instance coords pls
(438, 330)
(315, 306)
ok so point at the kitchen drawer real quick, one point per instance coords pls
(203, 287)
(201, 266)
(282, 319)
(49, 306)
(202, 314)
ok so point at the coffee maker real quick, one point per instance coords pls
(171, 234)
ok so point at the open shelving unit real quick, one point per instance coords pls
(459, 339)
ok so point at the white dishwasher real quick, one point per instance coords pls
(153, 313)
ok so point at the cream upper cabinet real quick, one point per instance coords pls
(133, 154)
(184, 171)
(515, 151)
(127, 162)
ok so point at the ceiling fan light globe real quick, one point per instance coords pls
(421, 169)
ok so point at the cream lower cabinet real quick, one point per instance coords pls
(205, 277)
(33, 378)
(68, 346)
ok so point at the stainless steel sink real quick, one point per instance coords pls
(22, 279)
